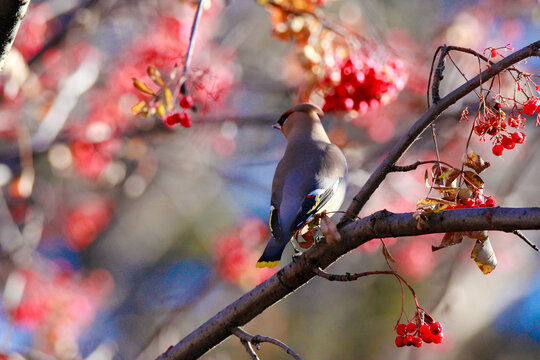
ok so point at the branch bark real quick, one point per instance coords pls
(11, 14)
(296, 274)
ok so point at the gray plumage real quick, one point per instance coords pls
(310, 178)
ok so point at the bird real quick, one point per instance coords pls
(309, 179)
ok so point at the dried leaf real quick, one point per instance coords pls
(449, 239)
(329, 230)
(138, 108)
(386, 253)
(484, 256)
(450, 194)
(473, 181)
(444, 175)
(167, 98)
(426, 179)
(139, 85)
(421, 219)
(306, 237)
(155, 76)
(475, 162)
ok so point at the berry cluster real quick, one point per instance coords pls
(182, 118)
(238, 249)
(58, 304)
(494, 123)
(508, 142)
(85, 222)
(474, 203)
(362, 84)
(410, 335)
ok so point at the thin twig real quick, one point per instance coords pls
(191, 45)
(249, 349)
(414, 166)
(524, 238)
(257, 339)
(438, 74)
(434, 136)
(352, 277)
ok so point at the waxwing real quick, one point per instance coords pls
(311, 177)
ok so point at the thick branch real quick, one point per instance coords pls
(11, 14)
(296, 274)
(427, 118)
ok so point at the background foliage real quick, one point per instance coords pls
(120, 235)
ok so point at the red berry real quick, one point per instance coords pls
(417, 342)
(531, 106)
(184, 119)
(411, 327)
(507, 142)
(172, 120)
(186, 102)
(400, 341)
(423, 330)
(401, 329)
(498, 150)
(494, 53)
(518, 137)
(436, 328)
(437, 339)
(490, 201)
(348, 103)
(470, 203)
(408, 340)
(428, 338)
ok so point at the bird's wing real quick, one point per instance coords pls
(314, 201)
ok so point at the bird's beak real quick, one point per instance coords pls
(276, 126)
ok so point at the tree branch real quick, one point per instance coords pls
(248, 339)
(11, 14)
(425, 120)
(524, 238)
(296, 274)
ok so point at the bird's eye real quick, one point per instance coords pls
(283, 117)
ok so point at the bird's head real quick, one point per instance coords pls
(304, 115)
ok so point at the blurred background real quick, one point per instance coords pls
(121, 232)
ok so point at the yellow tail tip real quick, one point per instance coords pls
(268, 264)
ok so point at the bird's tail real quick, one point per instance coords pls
(272, 253)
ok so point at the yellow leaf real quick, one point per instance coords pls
(484, 256)
(167, 98)
(138, 108)
(161, 110)
(139, 85)
(155, 76)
